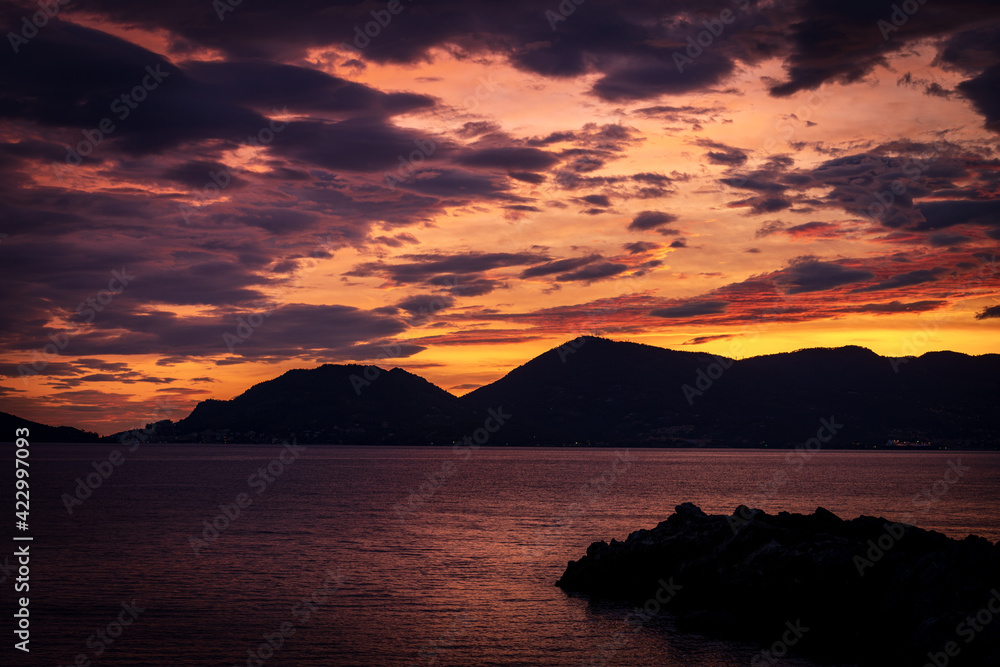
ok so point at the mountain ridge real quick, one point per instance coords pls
(595, 391)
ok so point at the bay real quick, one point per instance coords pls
(360, 564)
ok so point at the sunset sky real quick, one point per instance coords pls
(455, 187)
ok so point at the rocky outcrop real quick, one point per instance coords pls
(866, 591)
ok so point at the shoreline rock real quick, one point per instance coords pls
(870, 591)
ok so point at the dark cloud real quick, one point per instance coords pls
(989, 312)
(643, 77)
(454, 184)
(514, 158)
(427, 267)
(905, 280)
(593, 272)
(467, 285)
(766, 204)
(283, 332)
(558, 266)
(769, 227)
(698, 340)
(527, 177)
(356, 144)
(976, 51)
(633, 47)
(651, 220)
(196, 174)
(754, 182)
(676, 113)
(982, 92)
(478, 128)
(598, 200)
(941, 240)
(897, 307)
(679, 243)
(728, 159)
(425, 304)
(845, 41)
(265, 85)
(639, 247)
(808, 274)
(723, 154)
(941, 214)
(692, 309)
(814, 230)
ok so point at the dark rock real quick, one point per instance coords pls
(868, 590)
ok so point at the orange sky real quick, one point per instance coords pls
(532, 220)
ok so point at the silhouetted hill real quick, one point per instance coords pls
(601, 392)
(593, 390)
(604, 392)
(349, 404)
(41, 432)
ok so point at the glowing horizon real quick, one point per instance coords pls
(477, 185)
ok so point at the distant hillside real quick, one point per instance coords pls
(594, 391)
(336, 404)
(599, 391)
(42, 433)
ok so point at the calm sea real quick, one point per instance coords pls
(340, 557)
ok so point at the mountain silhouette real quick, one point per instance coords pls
(348, 404)
(599, 392)
(41, 432)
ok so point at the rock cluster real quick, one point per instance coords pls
(866, 590)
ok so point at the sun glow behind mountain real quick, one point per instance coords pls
(479, 183)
